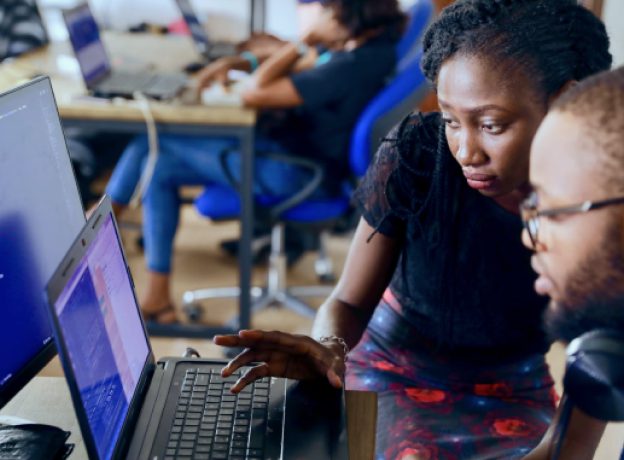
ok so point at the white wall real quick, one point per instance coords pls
(613, 15)
(225, 19)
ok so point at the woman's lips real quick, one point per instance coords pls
(480, 181)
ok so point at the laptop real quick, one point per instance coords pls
(209, 50)
(129, 406)
(98, 74)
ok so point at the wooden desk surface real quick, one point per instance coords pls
(136, 52)
(47, 400)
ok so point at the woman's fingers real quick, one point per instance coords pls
(253, 374)
(244, 358)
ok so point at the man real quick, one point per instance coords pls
(578, 156)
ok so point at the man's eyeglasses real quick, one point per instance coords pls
(530, 214)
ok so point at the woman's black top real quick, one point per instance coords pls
(463, 280)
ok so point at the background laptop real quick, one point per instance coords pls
(128, 406)
(209, 50)
(99, 76)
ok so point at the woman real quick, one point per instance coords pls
(323, 96)
(436, 295)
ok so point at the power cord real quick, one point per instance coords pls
(190, 353)
(152, 156)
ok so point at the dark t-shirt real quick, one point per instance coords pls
(463, 279)
(334, 94)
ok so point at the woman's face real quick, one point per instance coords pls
(491, 115)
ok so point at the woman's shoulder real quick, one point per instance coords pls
(414, 142)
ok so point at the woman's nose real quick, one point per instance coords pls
(469, 152)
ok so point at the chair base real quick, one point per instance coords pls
(276, 293)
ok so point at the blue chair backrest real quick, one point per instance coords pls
(420, 14)
(400, 97)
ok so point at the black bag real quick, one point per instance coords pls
(33, 442)
(21, 28)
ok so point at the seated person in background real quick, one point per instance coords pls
(322, 104)
(578, 155)
(437, 291)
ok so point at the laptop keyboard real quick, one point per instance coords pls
(212, 423)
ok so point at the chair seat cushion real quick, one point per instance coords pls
(219, 202)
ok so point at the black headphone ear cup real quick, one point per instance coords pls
(594, 379)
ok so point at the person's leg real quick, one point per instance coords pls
(127, 174)
(188, 160)
(161, 204)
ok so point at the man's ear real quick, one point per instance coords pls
(553, 97)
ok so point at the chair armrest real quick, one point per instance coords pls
(306, 191)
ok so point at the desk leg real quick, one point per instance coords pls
(246, 226)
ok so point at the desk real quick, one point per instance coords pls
(47, 400)
(140, 51)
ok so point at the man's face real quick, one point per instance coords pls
(580, 257)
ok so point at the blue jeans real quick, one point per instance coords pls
(190, 160)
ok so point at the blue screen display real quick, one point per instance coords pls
(88, 47)
(40, 216)
(104, 336)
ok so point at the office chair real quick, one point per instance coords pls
(419, 16)
(397, 99)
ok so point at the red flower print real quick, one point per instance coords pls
(387, 366)
(416, 449)
(513, 427)
(493, 389)
(425, 395)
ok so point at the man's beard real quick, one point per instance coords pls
(594, 294)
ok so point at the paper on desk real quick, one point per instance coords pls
(218, 95)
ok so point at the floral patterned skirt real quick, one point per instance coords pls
(434, 408)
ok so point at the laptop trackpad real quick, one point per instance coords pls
(315, 422)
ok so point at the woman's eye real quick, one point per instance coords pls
(492, 128)
(451, 123)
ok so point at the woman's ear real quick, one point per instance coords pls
(553, 97)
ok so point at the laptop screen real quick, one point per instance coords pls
(88, 47)
(104, 335)
(200, 37)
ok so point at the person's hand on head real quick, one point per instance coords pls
(326, 32)
(283, 355)
(262, 45)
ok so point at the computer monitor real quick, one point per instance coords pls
(40, 215)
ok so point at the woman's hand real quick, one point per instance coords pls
(283, 355)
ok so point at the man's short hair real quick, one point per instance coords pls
(598, 102)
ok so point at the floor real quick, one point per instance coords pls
(199, 262)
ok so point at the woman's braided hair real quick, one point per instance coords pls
(549, 41)
(552, 41)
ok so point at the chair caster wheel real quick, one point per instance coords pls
(327, 278)
(193, 312)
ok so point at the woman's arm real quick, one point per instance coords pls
(368, 270)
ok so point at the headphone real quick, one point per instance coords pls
(594, 378)
(593, 381)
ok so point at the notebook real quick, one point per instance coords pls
(98, 74)
(129, 406)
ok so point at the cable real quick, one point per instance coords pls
(190, 353)
(152, 156)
